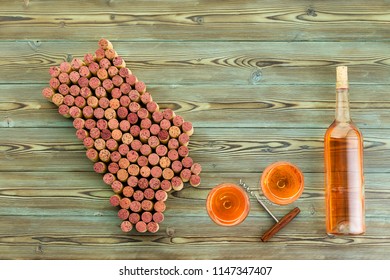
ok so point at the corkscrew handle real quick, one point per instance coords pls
(281, 224)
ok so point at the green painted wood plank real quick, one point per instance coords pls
(217, 63)
(293, 106)
(186, 20)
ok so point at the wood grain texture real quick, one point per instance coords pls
(241, 63)
(256, 78)
(201, 20)
(221, 106)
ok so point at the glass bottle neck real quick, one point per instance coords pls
(342, 105)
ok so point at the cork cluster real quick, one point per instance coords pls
(141, 151)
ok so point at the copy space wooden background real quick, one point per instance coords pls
(257, 80)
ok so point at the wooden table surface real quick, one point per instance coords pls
(256, 78)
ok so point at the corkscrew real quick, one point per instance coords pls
(279, 223)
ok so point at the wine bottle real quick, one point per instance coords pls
(344, 178)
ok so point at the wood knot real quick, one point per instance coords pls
(39, 249)
(170, 231)
(256, 76)
(311, 12)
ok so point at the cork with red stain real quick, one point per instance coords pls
(143, 183)
(158, 217)
(147, 205)
(177, 183)
(117, 186)
(126, 226)
(141, 226)
(152, 107)
(146, 124)
(128, 191)
(113, 124)
(125, 203)
(153, 227)
(134, 218)
(115, 200)
(146, 216)
(154, 184)
(113, 71)
(113, 167)
(123, 213)
(149, 193)
(166, 185)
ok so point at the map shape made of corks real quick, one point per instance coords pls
(141, 151)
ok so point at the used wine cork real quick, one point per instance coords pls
(105, 155)
(153, 159)
(196, 168)
(342, 77)
(153, 227)
(99, 167)
(135, 206)
(173, 144)
(185, 175)
(65, 67)
(48, 93)
(88, 58)
(142, 161)
(177, 183)
(132, 181)
(147, 216)
(114, 200)
(105, 44)
(154, 129)
(125, 88)
(154, 184)
(109, 178)
(125, 203)
(156, 172)
(90, 123)
(143, 183)
(113, 167)
(104, 63)
(123, 214)
(115, 156)
(134, 218)
(124, 72)
(131, 79)
(74, 90)
(54, 71)
(159, 206)
(166, 185)
(158, 217)
(88, 142)
(126, 226)
(84, 72)
(113, 124)
(147, 205)
(64, 111)
(117, 186)
(94, 133)
(161, 195)
(99, 54)
(117, 81)
(169, 114)
(140, 87)
(141, 226)
(93, 68)
(128, 191)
